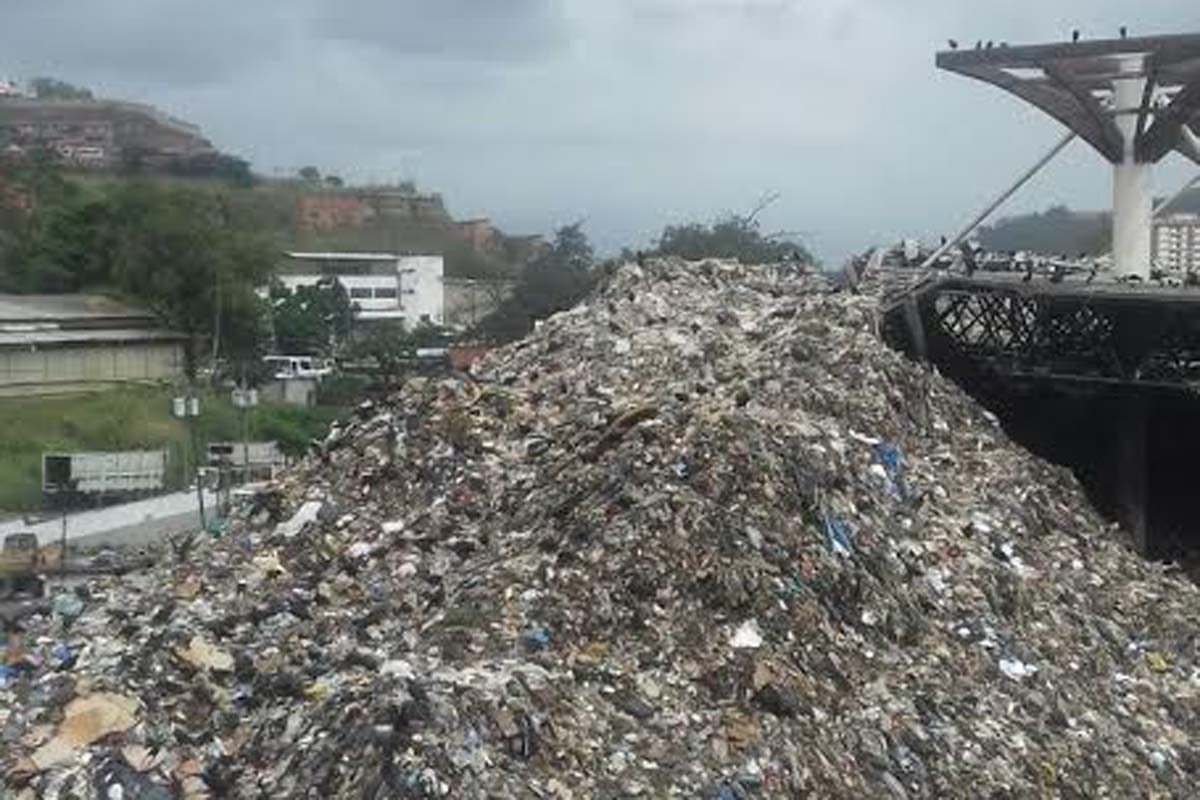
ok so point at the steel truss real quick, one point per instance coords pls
(1145, 341)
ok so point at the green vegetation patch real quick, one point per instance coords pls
(133, 418)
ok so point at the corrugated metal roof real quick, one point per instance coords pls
(64, 307)
(52, 338)
(344, 256)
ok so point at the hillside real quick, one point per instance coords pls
(303, 215)
(1058, 229)
(89, 133)
(1055, 230)
(1189, 203)
(99, 142)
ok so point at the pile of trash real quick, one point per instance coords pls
(702, 536)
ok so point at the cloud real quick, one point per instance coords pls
(181, 43)
(630, 113)
(468, 30)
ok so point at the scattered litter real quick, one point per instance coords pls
(757, 554)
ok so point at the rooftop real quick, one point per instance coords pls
(344, 256)
(32, 308)
(51, 337)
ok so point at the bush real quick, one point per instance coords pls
(342, 390)
(730, 237)
(292, 427)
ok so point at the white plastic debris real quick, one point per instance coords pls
(747, 636)
(1016, 669)
(307, 513)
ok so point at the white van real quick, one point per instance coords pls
(284, 367)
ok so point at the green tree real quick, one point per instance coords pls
(310, 174)
(235, 171)
(181, 253)
(45, 88)
(75, 239)
(732, 236)
(392, 348)
(557, 279)
(245, 336)
(174, 251)
(40, 232)
(311, 319)
(389, 347)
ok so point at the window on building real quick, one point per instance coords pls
(426, 319)
(358, 293)
(385, 293)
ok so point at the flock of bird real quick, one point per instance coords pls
(988, 45)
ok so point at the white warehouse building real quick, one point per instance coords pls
(383, 286)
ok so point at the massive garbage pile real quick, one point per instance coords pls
(702, 536)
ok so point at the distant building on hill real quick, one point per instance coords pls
(485, 239)
(480, 234)
(97, 133)
(384, 286)
(52, 344)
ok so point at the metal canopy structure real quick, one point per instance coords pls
(1074, 84)
(1132, 99)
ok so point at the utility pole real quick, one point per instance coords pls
(62, 548)
(193, 412)
(65, 491)
(188, 408)
(216, 343)
(245, 398)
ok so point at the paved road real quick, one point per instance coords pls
(129, 523)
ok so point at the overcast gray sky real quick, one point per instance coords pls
(630, 114)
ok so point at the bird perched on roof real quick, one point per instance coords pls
(953, 44)
(1124, 32)
(989, 45)
(1075, 35)
(979, 44)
